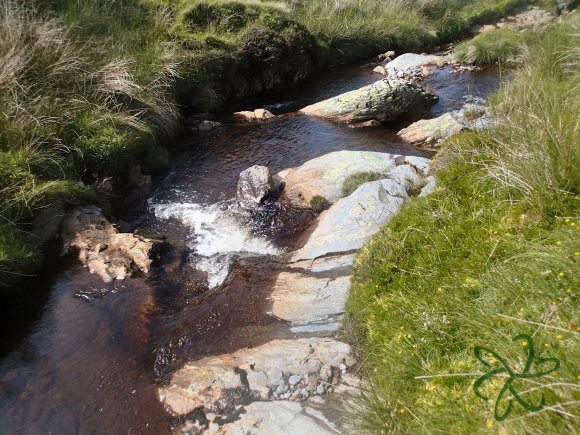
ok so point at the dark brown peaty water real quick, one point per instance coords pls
(79, 356)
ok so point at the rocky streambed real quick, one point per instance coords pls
(230, 325)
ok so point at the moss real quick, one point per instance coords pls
(318, 204)
(354, 181)
(17, 259)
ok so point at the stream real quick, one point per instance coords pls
(81, 356)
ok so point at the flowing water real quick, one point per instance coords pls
(80, 356)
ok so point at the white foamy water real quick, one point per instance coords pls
(216, 235)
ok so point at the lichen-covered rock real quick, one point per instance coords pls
(254, 186)
(352, 220)
(384, 100)
(102, 249)
(429, 133)
(324, 175)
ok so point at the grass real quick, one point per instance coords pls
(354, 181)
(495, 46)
(492, 254)
(318, 204)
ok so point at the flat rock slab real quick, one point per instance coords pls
(325, 175)
(302, 299)
(279, 418)
(218, 383)
(429, 133)
(384, 100)
(348, 224)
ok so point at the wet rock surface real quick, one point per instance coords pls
(102, 249)
(384, 100)
(413, 66)
(254, 186)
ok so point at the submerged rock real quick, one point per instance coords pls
(324, 176)
(384, 100)
(254, 186)
(429, 133)
(102, 249)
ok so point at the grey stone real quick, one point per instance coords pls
(384, 100)
(254, 185)
(294, 379)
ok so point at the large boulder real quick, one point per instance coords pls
(324, 176)
(254, 186)
(429, 133)
(411, 65)
(384, 100)
(102, 249)
(348, 224)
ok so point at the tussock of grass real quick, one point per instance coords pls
(354, 181)
(498, 238)
(495, 46)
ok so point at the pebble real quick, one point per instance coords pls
(342, 367)
(285, 396)
(320, 389)
(296, 395)
(294, 379)
(281, 389)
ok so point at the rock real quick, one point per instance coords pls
(429, 133)
(278, 418)
(46, 224)
(324, 176)
(254, 185)
(388, 55)
(347, 225)
(257, 380)
(528, 16)
(410, 65)
(294, 379)
(366, 124)
(206, 125)
(104, 251)
(380, 70)
(420, 164)
(429, 186)
(407, 176)
(341, 263)
(342, 367)
(301, 299)
(384, 100)
(258, 114)
(214, 383)
(320, 389)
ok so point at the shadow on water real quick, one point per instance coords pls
(81, 356)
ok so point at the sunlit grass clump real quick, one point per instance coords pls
(495, 46)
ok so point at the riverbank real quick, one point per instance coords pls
(492, 253)
(93, 91)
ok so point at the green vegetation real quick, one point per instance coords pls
(318, 204)
(354, 181)
(495, 46)
(491, 254)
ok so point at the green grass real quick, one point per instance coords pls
(318, 204)
(495, 46)
(354, 181)
(498, 238)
